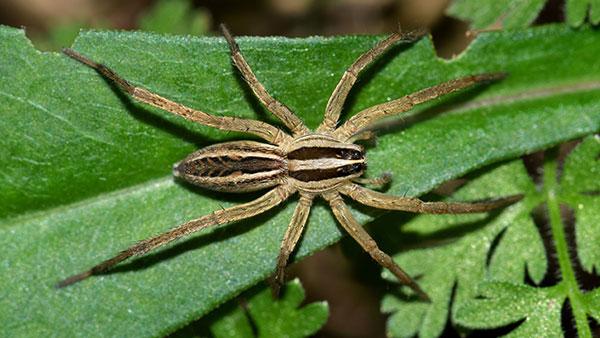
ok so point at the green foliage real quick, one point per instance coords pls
(520, 13)
(579, 10)
(86, 172)
(273, 318)
(504, 249)
(507, 13)
(175, 17)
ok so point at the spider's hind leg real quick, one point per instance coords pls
(232, 214)
(360, 235)
(290, 239)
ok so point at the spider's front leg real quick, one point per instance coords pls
(261, 129)
(277, 108)
(340, 93)
(235, 213)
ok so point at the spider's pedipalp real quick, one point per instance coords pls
(235, 213)
(379, 182)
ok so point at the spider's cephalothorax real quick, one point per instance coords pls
(323, 163)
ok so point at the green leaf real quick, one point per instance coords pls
(519, 14)
(580, 189)
(505, 13)
(579, 10)
(274, 318)
(459, 262)
(513, 244)
(86, 172)
(505, 303)
(175, 17)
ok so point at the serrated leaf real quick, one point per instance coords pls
(504, 303)
(461, 263)
(86, 172)
(521, 13)
(275, 318)
(580, 189)
(578, 11)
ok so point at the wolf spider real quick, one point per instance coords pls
(325, 162)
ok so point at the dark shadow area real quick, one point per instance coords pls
(587, 281)
(201, 327)
(539, 216)
(497, 332)
(493, 247)
(553, 11)
(567, 321)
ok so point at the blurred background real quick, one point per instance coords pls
(52, 24)
(343, 275)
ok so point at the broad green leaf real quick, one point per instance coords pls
(512, 242)
(274, 318)
(86, 172)
(519, 13)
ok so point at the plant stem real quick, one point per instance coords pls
(569, 281)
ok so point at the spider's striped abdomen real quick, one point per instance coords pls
(239, 166)
(313, 163)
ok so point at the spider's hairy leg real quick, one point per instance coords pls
(340, 93)
(382, 201)
(349, 223)
(235, 213)
(368, 116)
(258, 128)
(277, 108)
(290, 239)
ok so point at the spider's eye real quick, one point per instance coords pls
(356, 167)
(356, 155)
(350, 154)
